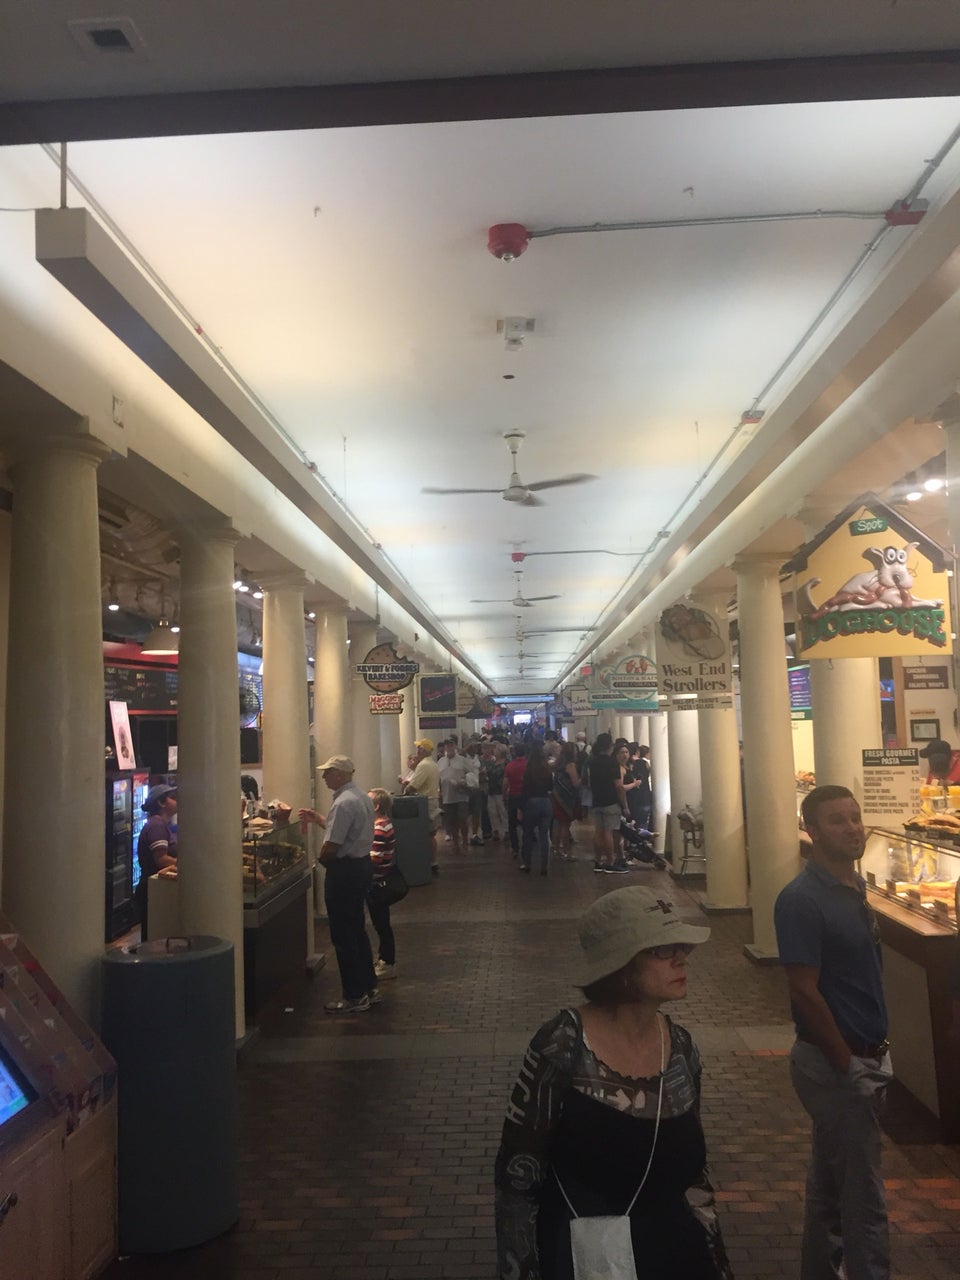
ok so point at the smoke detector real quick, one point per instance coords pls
(515, 330)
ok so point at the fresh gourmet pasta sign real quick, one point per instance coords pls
(871, 585)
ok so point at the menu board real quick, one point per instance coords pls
(14, 1094)
(891, 785)
(141, 688)
(798, 682)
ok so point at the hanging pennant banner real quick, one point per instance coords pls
(871, 585)
(693, 655)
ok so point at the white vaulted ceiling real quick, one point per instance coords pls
(344, 274)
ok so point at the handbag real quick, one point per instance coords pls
(390, 888)
(601, 1246)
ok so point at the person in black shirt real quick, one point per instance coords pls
(609, 806)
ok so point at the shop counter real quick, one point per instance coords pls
(912, 888)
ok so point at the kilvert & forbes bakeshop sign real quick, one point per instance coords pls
(385, 671)
(871, 585)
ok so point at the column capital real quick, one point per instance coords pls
(79, 444)
(712, 596)
(281, 580)
(213, 531)
(759, 564)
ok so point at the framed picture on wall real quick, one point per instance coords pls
(924, 730)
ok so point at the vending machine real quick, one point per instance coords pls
(125, 794)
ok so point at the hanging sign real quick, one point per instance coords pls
(865, 591)
(437, 694)
(386, 704)
(580, 704)
(122, 739)
(481, 707)
(693, 654)
(629, 686)
(385, 671)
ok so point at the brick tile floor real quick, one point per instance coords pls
(367, 1144)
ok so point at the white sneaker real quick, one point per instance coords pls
(386, 971)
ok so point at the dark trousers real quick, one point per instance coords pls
(380, 919)
(537, 817)
(344, 893)
(513, 826)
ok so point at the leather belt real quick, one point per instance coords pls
(859, 1048)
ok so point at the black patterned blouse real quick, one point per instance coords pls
(572, 1117)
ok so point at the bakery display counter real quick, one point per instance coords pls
(274, 857)
(912, 889)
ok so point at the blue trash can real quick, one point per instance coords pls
(168, 1020)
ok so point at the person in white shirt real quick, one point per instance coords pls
(454, 794)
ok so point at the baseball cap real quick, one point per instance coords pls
(155, 795)
(615, 927)
(343, 763)
(936, 747)
(425, 744)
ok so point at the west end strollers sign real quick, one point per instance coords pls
(871, 585)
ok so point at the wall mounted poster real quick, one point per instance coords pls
(122, 739)
(871, 585)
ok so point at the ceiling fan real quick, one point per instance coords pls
(519, 601)
(516, 490)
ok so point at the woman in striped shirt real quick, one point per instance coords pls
(381, 855)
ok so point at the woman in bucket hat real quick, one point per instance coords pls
(602, 1147)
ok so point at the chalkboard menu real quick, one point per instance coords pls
(141, 688)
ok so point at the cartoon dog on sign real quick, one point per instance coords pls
(886, 586)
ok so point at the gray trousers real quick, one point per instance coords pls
(845, 1214)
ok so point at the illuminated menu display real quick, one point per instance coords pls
(13, 1098)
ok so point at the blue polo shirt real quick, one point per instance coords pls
(826, 924)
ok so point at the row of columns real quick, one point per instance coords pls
(54, 782)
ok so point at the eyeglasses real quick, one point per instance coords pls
(668, 950)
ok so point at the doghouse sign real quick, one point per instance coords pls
(871, 585)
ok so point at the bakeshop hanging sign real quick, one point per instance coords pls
(385, 672)
(871, 585)
(694, 667)
(629, 686)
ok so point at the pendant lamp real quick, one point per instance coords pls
(161, 640)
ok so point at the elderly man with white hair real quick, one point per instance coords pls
(346, 857)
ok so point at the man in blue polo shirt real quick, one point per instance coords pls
(829, 944)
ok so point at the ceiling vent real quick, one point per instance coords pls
(99, 36)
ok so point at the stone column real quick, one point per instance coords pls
(723, 834)
(844, 700)
(365, 749)
(767, 744)
(332, 719)
(210, 837)
(845, 704)
(286, 733)
(392, 753)
(660, 777)
(684, 754)
(54, 856)
(407, 729)
(641, 726)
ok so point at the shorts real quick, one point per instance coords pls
(607, 817)
(456, 811)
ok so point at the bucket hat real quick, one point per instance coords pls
(615, 927)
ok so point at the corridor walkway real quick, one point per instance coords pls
(367, 1143)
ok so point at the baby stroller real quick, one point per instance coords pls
(638, 845)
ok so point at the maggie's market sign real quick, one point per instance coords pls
(871, 585)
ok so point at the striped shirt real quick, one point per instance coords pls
(384, 843)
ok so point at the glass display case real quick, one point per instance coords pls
(917, 869)
(274, 856)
